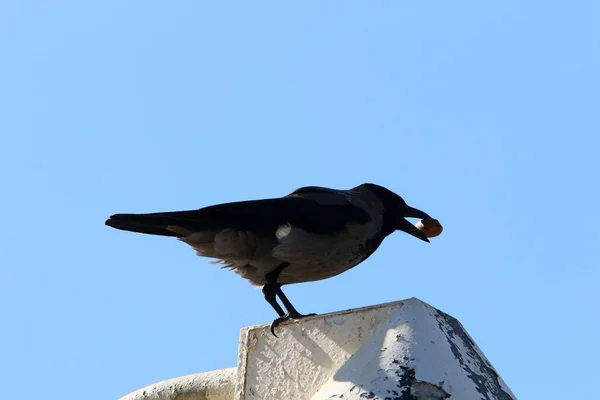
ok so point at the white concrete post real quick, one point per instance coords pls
(405, 350)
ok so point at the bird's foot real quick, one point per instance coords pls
(287, 317)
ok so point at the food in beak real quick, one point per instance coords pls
(431, 227)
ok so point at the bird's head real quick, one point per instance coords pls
(396, 211)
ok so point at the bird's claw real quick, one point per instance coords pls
(287, 317)
(276, 323)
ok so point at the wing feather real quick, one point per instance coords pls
(301, 209)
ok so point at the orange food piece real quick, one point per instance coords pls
(431, 227)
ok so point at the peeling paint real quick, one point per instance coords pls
(428, 391)
(487, 380)
(405, 350)
(398, 351)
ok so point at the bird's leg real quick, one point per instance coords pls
(270, 290)
(270, 296)
(291, 310)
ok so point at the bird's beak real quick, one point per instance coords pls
(409, 228)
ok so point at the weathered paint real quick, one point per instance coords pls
(406, 350)
(306, 354)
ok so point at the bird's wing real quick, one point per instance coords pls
(315, 210)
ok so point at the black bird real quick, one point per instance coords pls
(311, 234)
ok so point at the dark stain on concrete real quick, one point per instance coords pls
(488, 382)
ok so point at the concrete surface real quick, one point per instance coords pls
(213, 385)
(406, 350)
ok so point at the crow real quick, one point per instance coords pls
(313, 233)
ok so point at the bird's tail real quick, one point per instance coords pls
(163, 224)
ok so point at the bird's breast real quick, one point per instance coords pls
(314, 257)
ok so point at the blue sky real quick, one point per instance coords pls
(483, 114)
